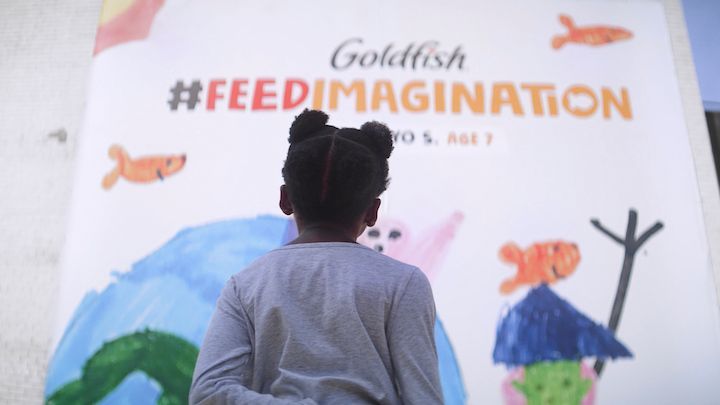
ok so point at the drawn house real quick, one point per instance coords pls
(543, 339)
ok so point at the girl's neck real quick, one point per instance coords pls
(323, 232)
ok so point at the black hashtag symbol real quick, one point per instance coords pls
(177, 92)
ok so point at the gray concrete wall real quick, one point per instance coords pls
(45, 56)
(697, 129)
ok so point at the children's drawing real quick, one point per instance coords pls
(166, 359)
(544, 339)
(631, 245)
(545, 327)
(542, 262)
(515, 395)
(142, 170)
(595, 35)
(172, 290)
(125, 20)
(558, 382)
(426, 250)
(453, 388)
(172, 293)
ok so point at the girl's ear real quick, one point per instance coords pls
(371, 215)
(285, 204)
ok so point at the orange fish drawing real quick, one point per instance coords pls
(141, 170)
(543, 262)
(593, 35)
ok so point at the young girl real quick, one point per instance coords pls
(324, 319)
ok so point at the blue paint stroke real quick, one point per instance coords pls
(544, 327)
(453, 388)
(136, 389)
(174, 290)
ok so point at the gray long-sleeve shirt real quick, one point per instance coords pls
(327, 323)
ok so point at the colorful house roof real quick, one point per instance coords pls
(545, 327)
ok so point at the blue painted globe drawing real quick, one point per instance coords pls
(174, 290)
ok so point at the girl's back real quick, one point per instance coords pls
(324, 319)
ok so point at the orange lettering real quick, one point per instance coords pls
(476, 102)
(383, 92)
(422, 100)
(505, 94)
(578, 111)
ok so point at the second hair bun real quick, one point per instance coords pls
(380, 137)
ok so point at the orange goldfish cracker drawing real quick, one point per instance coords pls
(141, 170)
(542, 262)
(590, 35)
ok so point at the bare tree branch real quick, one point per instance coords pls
(604, 230)
(647, 234)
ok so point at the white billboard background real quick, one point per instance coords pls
(540, 178)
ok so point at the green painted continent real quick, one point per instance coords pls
(163, 357)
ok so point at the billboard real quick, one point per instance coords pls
(542, 179)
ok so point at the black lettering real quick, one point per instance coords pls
(350, 57)
(372, 55)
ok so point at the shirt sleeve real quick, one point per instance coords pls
(411, 340)
(224, 367)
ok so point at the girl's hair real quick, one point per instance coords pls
(334, 174)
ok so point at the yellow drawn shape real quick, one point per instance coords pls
(113, 8)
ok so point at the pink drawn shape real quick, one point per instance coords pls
(511, 396)
(509, 393)
(131, 25)
(588, 372)
(426, 251)
(432, 247)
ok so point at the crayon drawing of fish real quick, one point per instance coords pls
(141, 170)
(595, 35)
(541, 263)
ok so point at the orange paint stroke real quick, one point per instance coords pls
(542, 262)
(142, 170)
(590, 35)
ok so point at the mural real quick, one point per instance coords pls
(164, 358)
(589, 35)
(543, 262)
(544, 339)
(511, 129)
(136, 341)
(141, 170)
(424, 249)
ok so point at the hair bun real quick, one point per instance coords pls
(380, 136)
(308, 123)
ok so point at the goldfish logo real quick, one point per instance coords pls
(592, 35)
(141, 170)
(543, 262)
